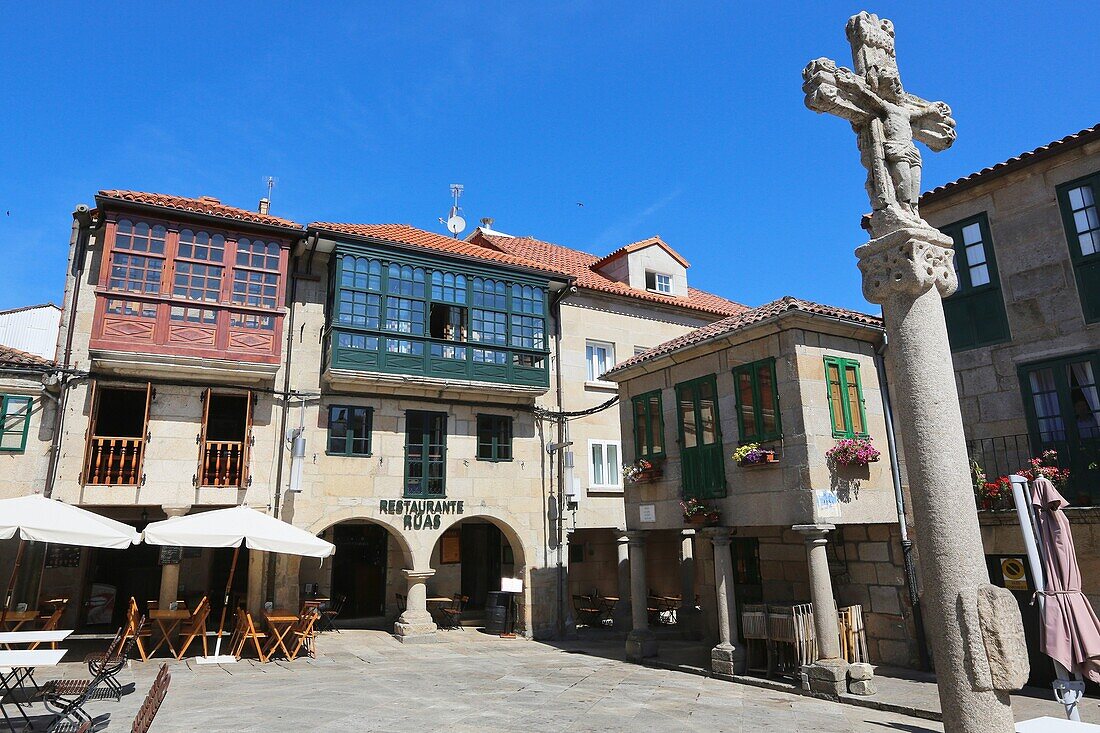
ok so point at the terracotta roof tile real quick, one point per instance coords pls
(579, 264)
(10, 356)
(744, 320)
(206, 205)
(406, 234)
(1023, 159)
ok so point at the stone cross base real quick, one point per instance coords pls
(640, 644)
(415, 627)
(826, 676)
(726, 659)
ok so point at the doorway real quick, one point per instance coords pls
(359, 568)
(116, 576)
(482, 548)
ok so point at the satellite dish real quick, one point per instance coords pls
(456, 224)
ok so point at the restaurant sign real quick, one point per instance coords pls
(420, 513)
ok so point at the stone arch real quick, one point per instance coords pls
(360, 514)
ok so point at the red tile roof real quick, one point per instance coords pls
(580, 266)
(206, 205)
(642, 244)
(1068, 142)
(12, 357)
(410, 235)
(744, 320)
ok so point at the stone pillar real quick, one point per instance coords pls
(908, 272)
(829, 673)
(726, 658)
(416, 624)
(287, 588)
(687, 617)
(170, 574)
(256, 581)
(620, 615)
(640, 642)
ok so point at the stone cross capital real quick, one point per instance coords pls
(907, 262)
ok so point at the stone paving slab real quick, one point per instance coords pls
(365, 681)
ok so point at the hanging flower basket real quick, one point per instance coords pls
(751, 455)
(852, 452)
(642, 471)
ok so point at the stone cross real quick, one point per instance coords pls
(907, 269)
(885, 117)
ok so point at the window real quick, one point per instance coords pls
(225, 439)
(131, 308)
(488, 327)
(193, 315)
(658, 282)
(257, 289)
(116, 441)
(757, 402)
(195, 281)
(605, 467)
(425, 454)
(528, 299)
(494, 438)
(1077, 200)
(1062, 403)
(405, 280)
(201, 246)
(15, 418)
(489, 293)
(135, 273)
(527, 332)
(649, 426)
(257, 255)
(405, 315)
(845, 397)
(349, 429)
(601, 357)
(703, 464)
(447, 322)
(975, 313)
(140, 237)
(448, 287)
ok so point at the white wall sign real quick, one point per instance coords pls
(826, 503)
(647, 513)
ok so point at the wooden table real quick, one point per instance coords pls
(168, 622)
(281, 621)
(16, 619)
(7, 638)
(17, 666)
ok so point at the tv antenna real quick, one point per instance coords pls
(454, 222)
(270, 182)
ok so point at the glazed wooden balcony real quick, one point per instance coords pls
(114, 461)
(223, 464)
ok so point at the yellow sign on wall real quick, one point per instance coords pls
(1014, 574)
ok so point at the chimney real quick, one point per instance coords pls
(265, 206)
(487, 222)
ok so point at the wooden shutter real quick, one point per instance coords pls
(201, 438)
(89, 433)
(246, 452)
(1088, 285)
(144, 432)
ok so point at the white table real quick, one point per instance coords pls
(17, 665)
(34, 637)
(1039, 725)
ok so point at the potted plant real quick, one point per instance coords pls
(852, 452)
(994, 493)
(751, 454)
(1046, 466)
(698, 513)
(641, 471)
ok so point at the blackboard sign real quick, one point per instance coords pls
(63, 556)
(170, 555)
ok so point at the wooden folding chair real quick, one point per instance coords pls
(148, 710)
(245, 632)
(52, 621)
(137, 628)
(195, 626)
(303, 635)
(452, 615)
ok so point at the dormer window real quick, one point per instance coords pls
(658, 282)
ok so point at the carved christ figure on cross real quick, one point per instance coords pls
(886, 118)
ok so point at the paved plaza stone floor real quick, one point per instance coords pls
(366, 681)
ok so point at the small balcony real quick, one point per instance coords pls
(223, 464)
(1008, 454)
(114, 461)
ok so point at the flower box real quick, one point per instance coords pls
(703, 520)
(648, 475)
(767, 458)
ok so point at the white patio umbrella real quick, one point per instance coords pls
(231, 528)
(39, 519)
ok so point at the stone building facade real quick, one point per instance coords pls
(423, 378)
(794, 378)
(1025, 332)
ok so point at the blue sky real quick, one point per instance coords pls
(684, 120)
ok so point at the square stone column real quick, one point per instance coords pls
(640, 642)
(170, 574)
(727, 658)
(416, 624)
(687, 617)
(829, 674)
(620, 615)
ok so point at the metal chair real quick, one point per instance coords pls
(452, 615)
